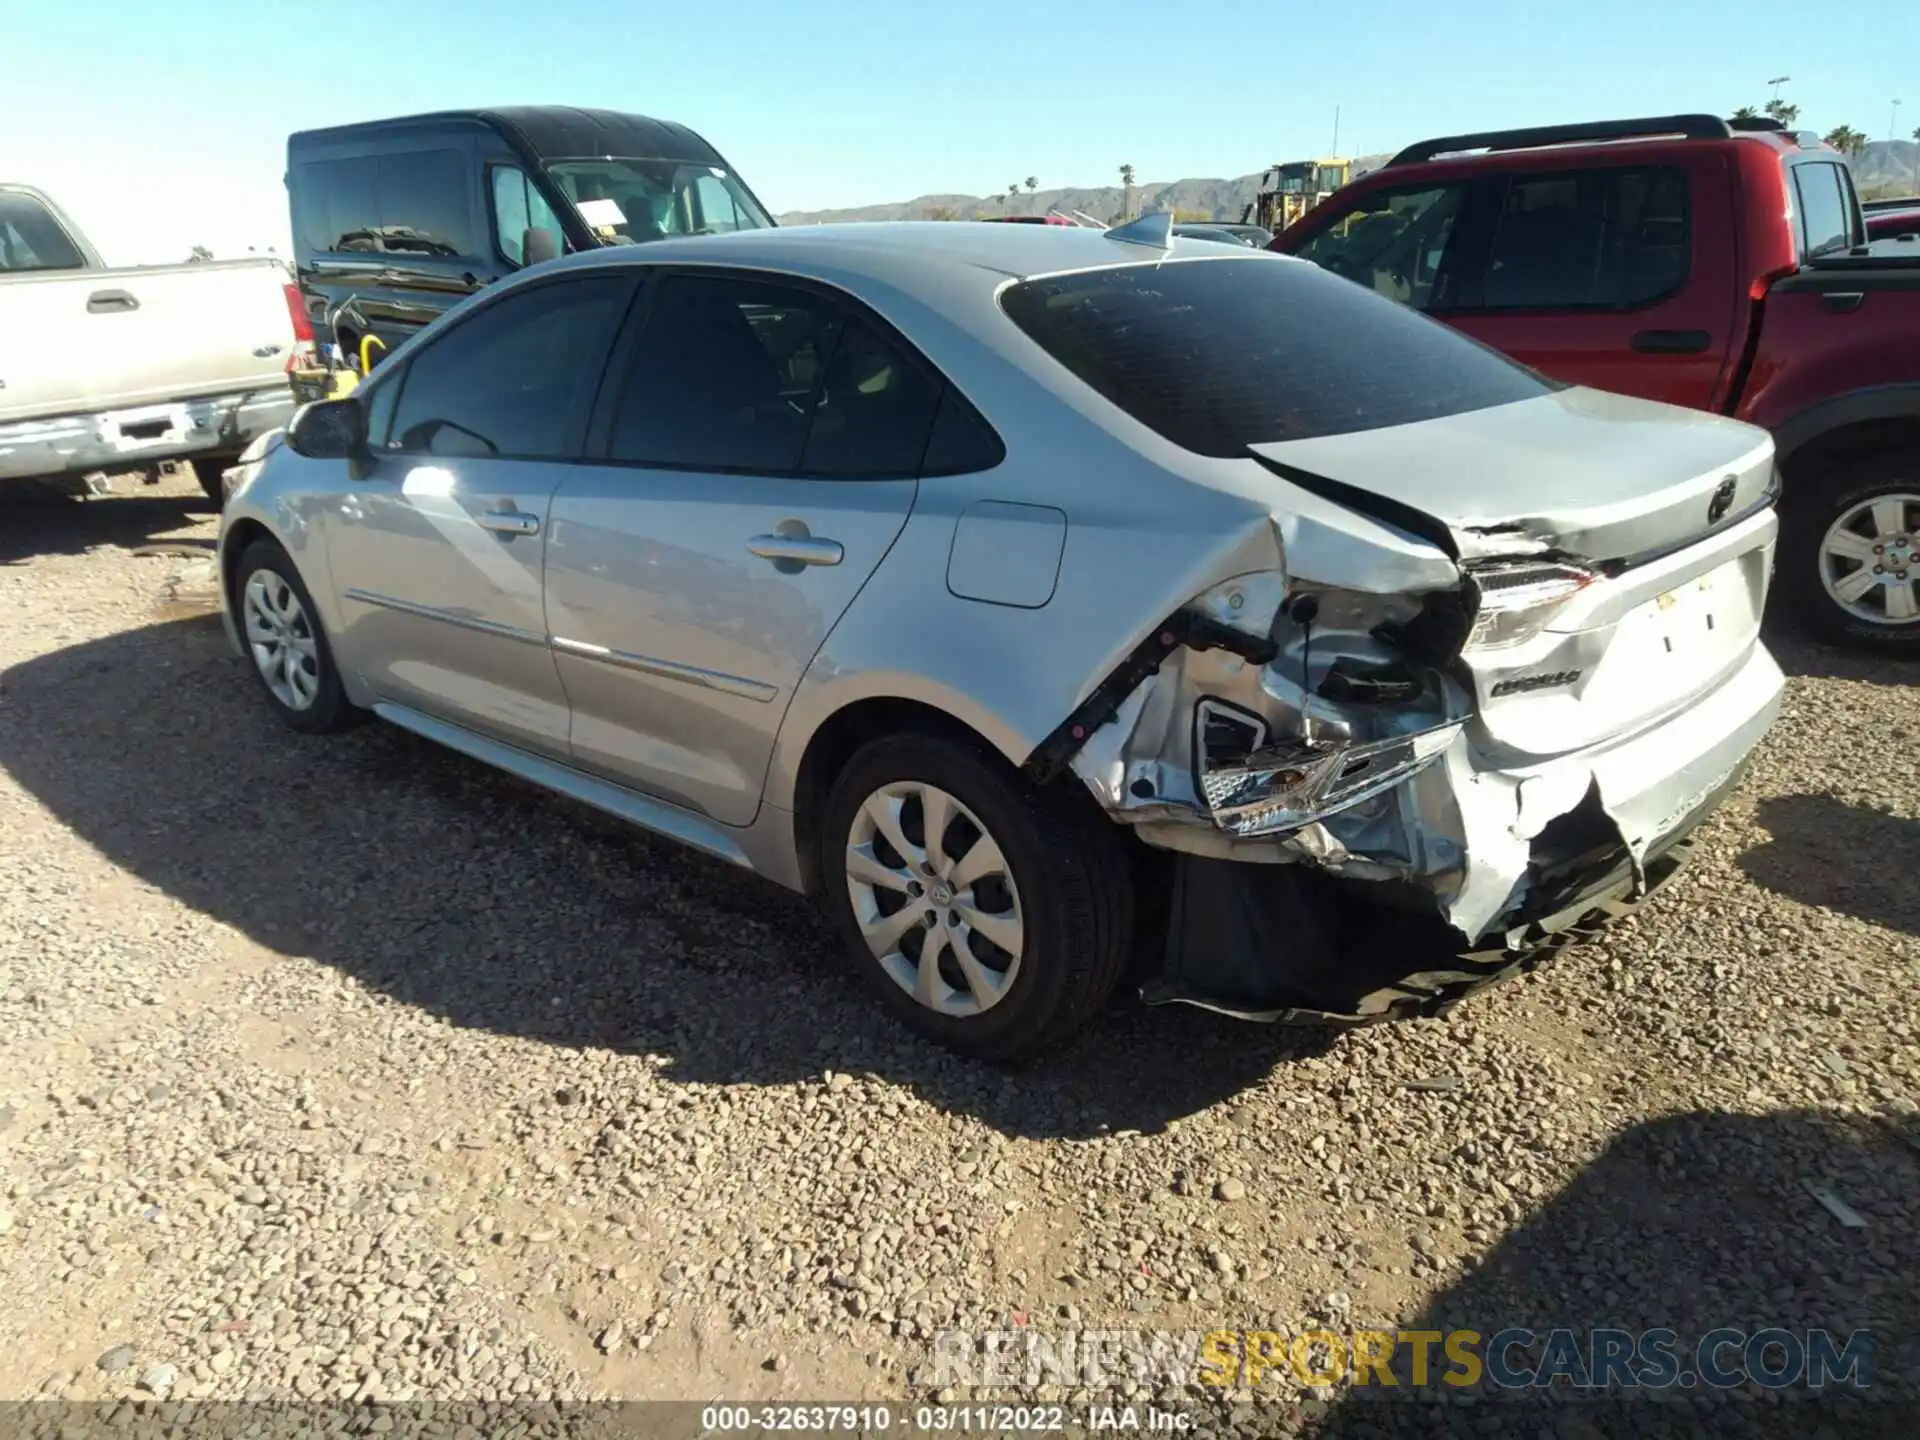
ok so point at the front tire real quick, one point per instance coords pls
(990, 916)
(280, 630)
(1850, 554)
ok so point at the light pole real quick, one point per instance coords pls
(1893, 122)
(1777, 82)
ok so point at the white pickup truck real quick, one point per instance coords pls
(110, 370)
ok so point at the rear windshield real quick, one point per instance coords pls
(31, 239)
(1217, 355)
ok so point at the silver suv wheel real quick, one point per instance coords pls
(1870, 560)
(934, 898)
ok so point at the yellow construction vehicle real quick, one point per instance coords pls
(1290, 190)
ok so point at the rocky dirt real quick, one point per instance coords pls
(349, 1069)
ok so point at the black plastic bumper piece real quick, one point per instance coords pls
(1289, 945)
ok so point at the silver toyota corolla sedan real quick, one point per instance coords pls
(1058, 606)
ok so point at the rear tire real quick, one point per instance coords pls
(287, 650)
(1844, 522)
(209, 473)
(1031, 933)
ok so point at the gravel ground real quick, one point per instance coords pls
(350, 1069)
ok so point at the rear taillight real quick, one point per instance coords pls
(297, 312)
(302, 354)
(1517, 600)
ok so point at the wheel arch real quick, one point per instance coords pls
(834, 741)
(1884, 419)
(240, 535)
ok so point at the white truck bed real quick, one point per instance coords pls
(105, 369)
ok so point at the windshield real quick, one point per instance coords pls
(625, 202)
(31, 239)
(1221, 354)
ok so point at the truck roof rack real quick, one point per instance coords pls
(1691, 127)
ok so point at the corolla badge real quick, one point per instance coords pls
(1722, 500)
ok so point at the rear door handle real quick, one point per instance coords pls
(793, 551)
(509, 522)
(1671, 342)
(1843, 302)
(106, 302)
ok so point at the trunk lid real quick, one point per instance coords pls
(1581, 473)
(1667, 505)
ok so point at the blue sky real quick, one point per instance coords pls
(159, 127)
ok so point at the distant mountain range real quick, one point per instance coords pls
(1215, 199)
(1888, 167)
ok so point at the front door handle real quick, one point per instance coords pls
(1671, 342)
(790, 552)
(1843, 302)
(509, 522)
(107, 302)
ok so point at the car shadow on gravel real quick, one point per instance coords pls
(36, 522)
(1692, 1222)
(444, 884)
(1825, 852)
(1813, 659)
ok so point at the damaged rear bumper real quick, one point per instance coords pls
(1551, 853)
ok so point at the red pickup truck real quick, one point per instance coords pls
(1719, 265)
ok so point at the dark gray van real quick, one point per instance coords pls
(396, 221)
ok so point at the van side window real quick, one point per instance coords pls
(425, 205)
(410, 202)
(336, 205)
(517, 208)
(1602, 239)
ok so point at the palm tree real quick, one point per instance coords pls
(1780, 110)
(1032, 185)
(1746, 112)
(1916, 133)
(1846, 139)
(1126, 191)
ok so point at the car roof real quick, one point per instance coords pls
(895, 248)
(553, 132)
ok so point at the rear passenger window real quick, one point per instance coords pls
(961, 441)
(1826, 219)
(874, 410)
(723, 377)
(1393, 242)
(1612, 239)
(517, 379)
(31, 239)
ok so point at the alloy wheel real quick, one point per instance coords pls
(280, 636)
(1870, 560)
(935, 899)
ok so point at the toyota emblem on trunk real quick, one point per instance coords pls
(1722, 500)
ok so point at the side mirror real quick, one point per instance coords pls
(328, 430)
(537, 244)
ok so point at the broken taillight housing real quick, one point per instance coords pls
(1283, 786)
(1518, 599)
